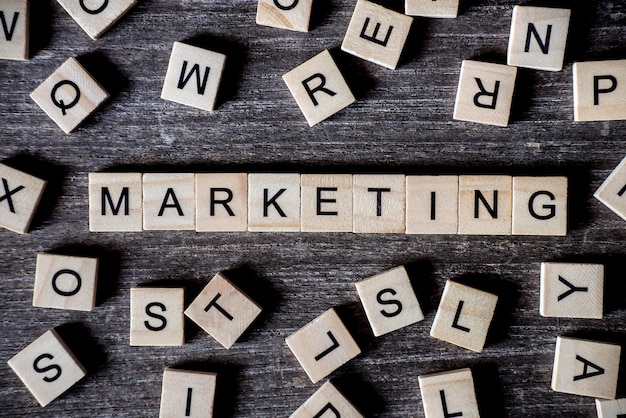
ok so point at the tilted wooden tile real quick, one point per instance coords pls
(464, 316)
(586, 368)
(327, 400)
(20, 194)
(96, 17)
(611, 408)
(600, 90)
(540, 206)
(14, 37)
(430, 8)
(156, 316)
(449, 394)
(274, 202)
(47, 367)
(221, 202)
(285, 14)
(538, 37)
(326, 201)
(611, 191)
(115, 202)
(187, 393)
(169, 201)
(69, 95)
(223, 311)
(323, 345)
(193, 76)
(432, 204)
(389, 301)
(377, 34)
(379, 203)
(485, 93)
(572, 290)
(65, 282)
(319, 88)
(485, 205)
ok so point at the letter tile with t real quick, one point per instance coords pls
(20, 194)
(169, 201)
(156, 316)
(449, 394)
(540, 206)
(379, 203)
(115, 202)
(96, 16)
(572, 290)
(274, 202)
(15, 23)
(327, 400)
(285, 14)
(187, 393)
(599, 90)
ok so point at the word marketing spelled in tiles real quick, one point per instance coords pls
(586, 368)
(429, 8)
(326, 201)
(323, 345)
(600, 90)
(449, 394)
(432, 204)
(20, 197)
(15, 23)
(611, 408)
(221, 202)
(65, 282)
(319, 88)
(540, 206)
(327, 400)
(485, 205)
(169, 201)
(95, 18)
(379, 203)
(187, 393)
(223, 311)
(115, 202)
(572, 290)
(156, 316)
(47, 367)
(274, 202)
(285, 14)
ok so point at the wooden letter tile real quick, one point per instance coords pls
(540, 206)
(115, 202)
(47, 367)
(600, 90)
(14, 35)
(193, 76)
(485, 205)
(323, 345)
(156, 316)
(389, 301)
(586, 368)
(96, 17)
(65, 282)
(432, 204)
(327, 400)
(326, 202)
(187, 393)
(485, 93)
(20, 194)
(611, 192)
(613, 408)
(379, 203)
(223, 311)
(430, 8)
(319, 88)
(377, 34)
(169, 201)
(221, 202)
(285, 14)
(572, 290)
(449, 394)
(274, 202)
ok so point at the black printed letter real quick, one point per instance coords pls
(213, 303)
(106, 198)
(444, 405)
(543, 45)
(311, 92)
(293, 4)
(45, 369)
(320, 200)
(551, 208)
(395, 302)
(267, 202)
(66, 292)
(224, 202)
(157, 316)
(334, 346)
(372, 37)
(379, 203)
(586, 364)
(8, 193)
(597, 90)
(327, 408)
(493, 210)
(457, 315)
(164, 205)
(484, 92)
(201, 85)
(8, 33)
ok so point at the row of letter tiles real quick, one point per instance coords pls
(360, 203)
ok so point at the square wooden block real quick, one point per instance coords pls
(464, 316)
(538, 37)
(599, 90)
(156, 316)
(169, 201)
(379, 203)
(96, 17)
(485, 93)
(47, 367)
(193, 76)
(14, 20)
(377, 34)
(449, 394)
(187, 393)
(223, 311)
(327, 400)
(586, 368)
(540, 206)
(285, 14)
(611, 191)
(115, 202)
(326, 201)
(572, 290)
(611, 408)
(274, 202)
(485, 205)
(65, 282)
(20, 194)
(323, 345)
(389, 301)
(432, 204)
(319, 88)
(430, 8)
(221, 202)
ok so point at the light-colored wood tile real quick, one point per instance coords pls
(96, 17)
(221, 202)
(572, 290)
(600, 90)
(47, 367)
(65, 282)
(485, 93)
(611, 408)
(187, 393)
(20, 194)
(115, 202)
(611, 192)
(223, 310)
(169, 201)
(323, 345)
(156, 316)
(485, 205)
(449, 394)
(14, 22)
(430, 8)
(379, 203)
(432, 204)
(274, 202)
(285, 14)
(319, 88)
(327, 400)
(586, 368)
(326, 201)
(540, 206)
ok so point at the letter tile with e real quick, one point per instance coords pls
(156, 316)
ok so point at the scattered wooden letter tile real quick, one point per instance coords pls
(223, 311)
(65, 282)
(323, 345)
(449, 394)
(430, 8)
(611, 192)
(285, 14)
(187, 393)
(19, 197)
(485, 205)
(572, 290)
(600, 90)
(169, 201)
(586, 368)
(115, 202)
(464, 316)
(326, 202)
(389, 301)
(377, 34)
(96, 17)
(274, 202)
(538, 37)
(379, 203)
(432, 204)
(319, 88)
(540, 206)
(611, 408)
(14, 36)
(221, 202)
(193, 76)
(327, 400)
(485, 93)
(47, 367)
(156, 316)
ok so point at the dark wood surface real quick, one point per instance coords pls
(402, 122)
